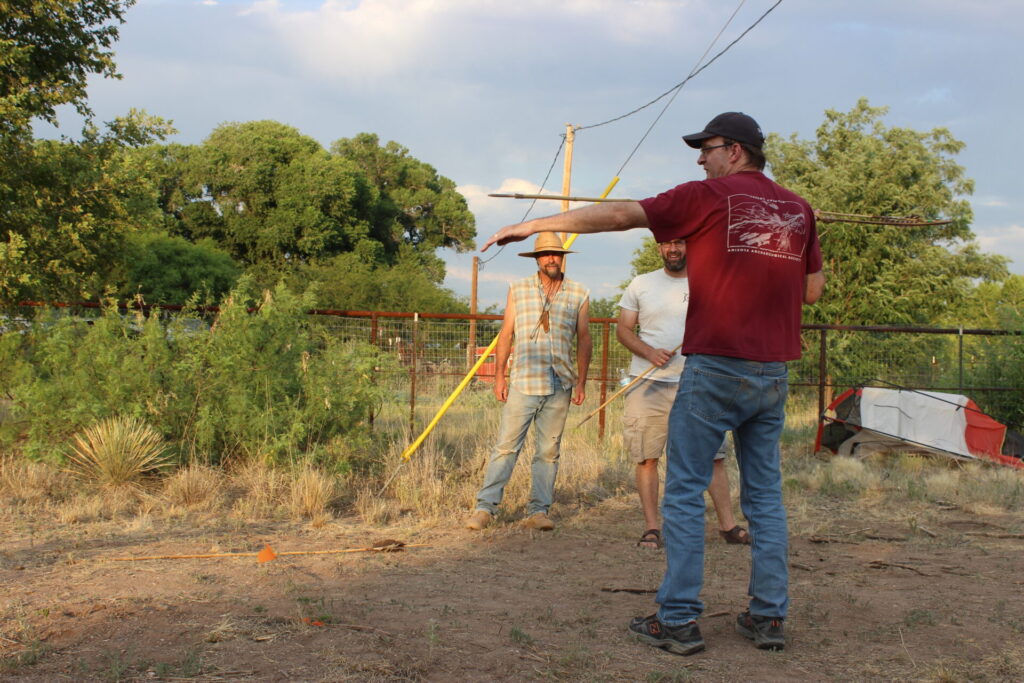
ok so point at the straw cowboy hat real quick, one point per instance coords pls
(546, 243)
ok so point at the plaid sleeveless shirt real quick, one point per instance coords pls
(536, 351)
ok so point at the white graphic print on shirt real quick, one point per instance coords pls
(770, 227)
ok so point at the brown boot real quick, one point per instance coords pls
(478, 520)
(539, 521)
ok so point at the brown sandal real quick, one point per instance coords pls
(736, 536)
(651, 536)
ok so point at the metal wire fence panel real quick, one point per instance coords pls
(433, 356)
(920, 358)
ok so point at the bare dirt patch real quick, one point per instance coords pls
(873, 597)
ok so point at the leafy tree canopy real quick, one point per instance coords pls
(268, 195)
(67, 208)
(165, 269)
(886, 274)
(48, 49)
(607, 307)
(417, 206)
(646, 258)
(275, 199)
(348, 282)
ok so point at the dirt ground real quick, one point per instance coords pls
(872, 599)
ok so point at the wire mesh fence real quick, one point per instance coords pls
(434, 353)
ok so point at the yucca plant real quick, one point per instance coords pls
(116, 452)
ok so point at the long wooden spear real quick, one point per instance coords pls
(623, 390)
(820, 215)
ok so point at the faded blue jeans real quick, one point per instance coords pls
(718, 394)
(547, 413)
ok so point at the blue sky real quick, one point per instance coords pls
(482, 90)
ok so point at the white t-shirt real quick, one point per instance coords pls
(660, 301)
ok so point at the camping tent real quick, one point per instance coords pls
(872, 419)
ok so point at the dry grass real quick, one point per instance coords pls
(312, 492)
(262, 490)
(429, 485)
(195, 486)
(373, 508)
(440, 481)
(1006, 665)
(116, 452)
(24, 481)
(94, 507)
(847, 475)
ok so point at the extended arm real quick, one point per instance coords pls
(503, 349)
(584, 349)
(625, 333)
(605, 217)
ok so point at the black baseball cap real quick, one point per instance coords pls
(733, 125)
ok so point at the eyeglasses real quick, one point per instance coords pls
(705, 150)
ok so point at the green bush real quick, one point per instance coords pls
(260, 381)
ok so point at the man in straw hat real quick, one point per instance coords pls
(543, 313)
(754, 260)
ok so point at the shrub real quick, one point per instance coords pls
(262, 381)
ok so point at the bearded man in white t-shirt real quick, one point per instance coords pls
(657, 301)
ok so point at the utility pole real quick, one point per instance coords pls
(570, 138)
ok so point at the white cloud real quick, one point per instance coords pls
(1007, 240)
(1002, 239)
(360, 41)
(460, 273)
(936, 95)
(990, 200)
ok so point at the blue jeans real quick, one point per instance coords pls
(718, 394)
(548, 414)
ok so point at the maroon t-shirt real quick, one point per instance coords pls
(749, 245)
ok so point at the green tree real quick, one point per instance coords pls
(646, 258)
(904, 275)
(897, 275)
(61, 203)
(357, 220)
(349, 282)
(269, 196)
(48, 50)
(417, 206)
(607, 307)
(165, 269)
(998, 361)
(68, 206)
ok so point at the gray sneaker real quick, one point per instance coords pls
(680, 640)
(766, 632)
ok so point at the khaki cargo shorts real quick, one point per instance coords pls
(645, 420)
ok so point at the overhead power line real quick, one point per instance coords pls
(692, 74)
(673, 91)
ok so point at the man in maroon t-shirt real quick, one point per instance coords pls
(754, 259)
